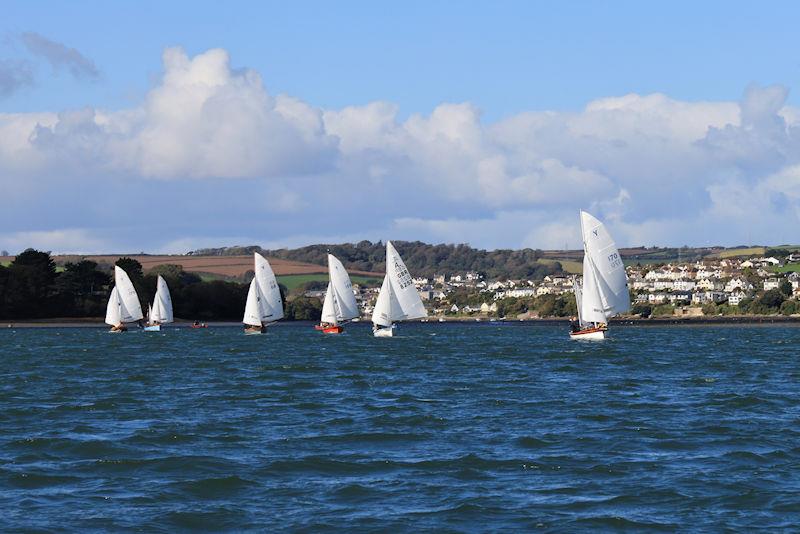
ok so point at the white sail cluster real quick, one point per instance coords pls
(604, 293)
(123, 305)
(264, 303)
(398, 299)
(340, 301)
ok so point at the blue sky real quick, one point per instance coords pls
(526, 75)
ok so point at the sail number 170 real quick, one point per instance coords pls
(614, 260)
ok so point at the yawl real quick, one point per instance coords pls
(161, 310)
(340, 302)
(604, 292)
(123, 304)
(264, 303)
(398, 298)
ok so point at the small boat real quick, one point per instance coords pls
(123, 303)
(604, 291)
(340, 304)
(161, 310)
(398, 298)
(198, 324)
(264, 303)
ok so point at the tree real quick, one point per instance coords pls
(30, 285)
(132, 267)
(304, 309)
(786, 287)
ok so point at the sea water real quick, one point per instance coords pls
(447, 427)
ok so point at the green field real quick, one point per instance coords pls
(569, 266)
(735, 252)
(791, 268)
(293, 281)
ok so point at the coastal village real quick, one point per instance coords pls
(709, 287)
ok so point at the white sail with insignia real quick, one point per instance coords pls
(605, 284)
(270, 293)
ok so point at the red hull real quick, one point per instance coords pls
(329, 329)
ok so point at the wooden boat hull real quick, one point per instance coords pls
(592, 334)
(255, 331)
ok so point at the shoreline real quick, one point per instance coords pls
(97, 322)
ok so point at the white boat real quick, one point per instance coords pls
(123, 303)
(604, 292)
(161, 310)
(398, 299)
(340, 304)
(264, 302)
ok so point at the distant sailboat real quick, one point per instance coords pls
(161, 310)
(264, 303)
(123, 304)
(398, 298)
(604, 292)
(340, 302)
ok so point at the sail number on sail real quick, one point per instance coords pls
(614, 260)
(403, 276)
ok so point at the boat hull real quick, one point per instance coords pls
(592, 334)
(384, 332)
(335, 329)
(153, 328)
(255, 331)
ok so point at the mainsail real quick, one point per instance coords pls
(398, 298)
(342, 289)
(161, 311)
(605, 285)
(130, 309)
(270, 293)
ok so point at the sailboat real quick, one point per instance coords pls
(264, 302)
(398, 298)
(604, 292)
(123, 303)
(340, 303)
(161, 310)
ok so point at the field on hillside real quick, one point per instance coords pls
(211, 267)
(569, 266)
(736, 252)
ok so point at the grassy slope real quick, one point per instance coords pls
(569, 266)
(736, 252)
(292, 281)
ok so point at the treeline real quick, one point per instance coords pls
(421, 259)
(33, 288)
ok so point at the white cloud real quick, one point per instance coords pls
(217, 155)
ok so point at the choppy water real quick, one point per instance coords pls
(446, 428)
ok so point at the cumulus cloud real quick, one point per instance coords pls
(60, 56)
(212, 154)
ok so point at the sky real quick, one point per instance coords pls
(170, 126)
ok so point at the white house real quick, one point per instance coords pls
(771, 283)
(683, 285)
(735, 298)
(738, 283)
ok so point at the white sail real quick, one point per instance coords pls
(576, 287)
(131, 309)
(161, 311)
(382, 313)
(113, 310)
(253, 309)
(342, 290)
(606, 263)
(403, 288)
(591, 303)
(329, 307)
(272, 305)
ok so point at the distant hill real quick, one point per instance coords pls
(422, 259)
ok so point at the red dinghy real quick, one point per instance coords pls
(329, 328)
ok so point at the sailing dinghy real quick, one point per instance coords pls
(604, 292)
(340, 303)
(264, 302)
(398, 299)
(123, 304)
(161, 310)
